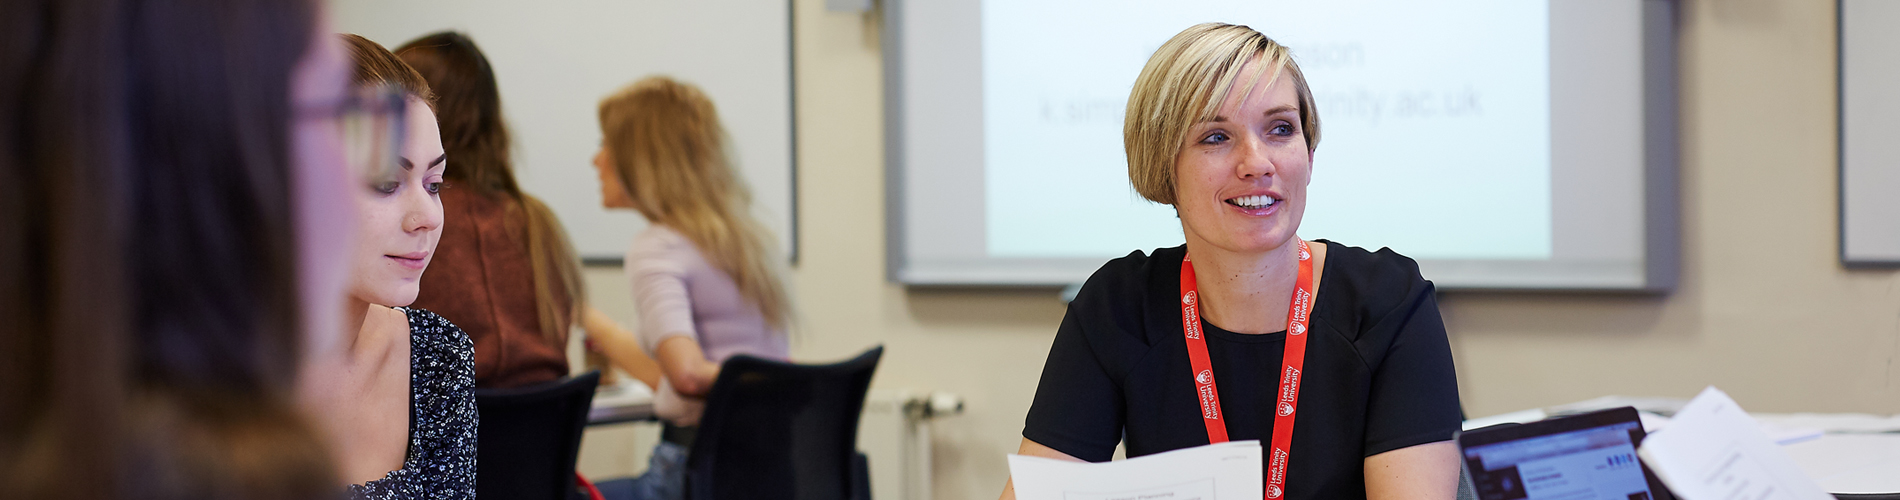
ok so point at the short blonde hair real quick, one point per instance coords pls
(1184, 83)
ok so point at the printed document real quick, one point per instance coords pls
(1712, 450)
(1223, 471)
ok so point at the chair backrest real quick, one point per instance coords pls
(780, 430)
(529, 437)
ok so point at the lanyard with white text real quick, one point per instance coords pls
(1298, 316)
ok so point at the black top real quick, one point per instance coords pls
(1378, 373)
(441, 460)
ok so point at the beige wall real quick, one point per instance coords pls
(1764, 310)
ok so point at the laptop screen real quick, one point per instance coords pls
(1591, 463)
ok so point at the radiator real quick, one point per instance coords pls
(894, 433)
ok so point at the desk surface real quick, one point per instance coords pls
(1854, 453)
(628, 401)
(1850, 463)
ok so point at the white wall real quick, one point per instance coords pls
(555, 61)
(1764, 310)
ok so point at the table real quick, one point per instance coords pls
(1853, 453)
(1850, 463)
(628, 401)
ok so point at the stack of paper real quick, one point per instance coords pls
(1224, 471)
(1712, 450)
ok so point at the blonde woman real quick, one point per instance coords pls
(703, 283)
(1248, 329)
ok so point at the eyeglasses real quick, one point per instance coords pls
(371, 125)
(373, 129)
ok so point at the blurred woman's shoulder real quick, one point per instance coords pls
(657, 239)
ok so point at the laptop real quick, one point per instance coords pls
(1589, 456)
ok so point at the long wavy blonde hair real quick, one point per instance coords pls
(664, 139)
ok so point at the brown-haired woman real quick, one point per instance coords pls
(504, 269)
(171, 197)
(398, 404)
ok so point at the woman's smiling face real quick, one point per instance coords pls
(1240, 178)
(401, 216)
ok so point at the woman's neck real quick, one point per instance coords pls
(1246, 292)
(356, 318)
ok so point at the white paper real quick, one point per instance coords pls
(1712, 450)
(1224, 471)
(1777, 431)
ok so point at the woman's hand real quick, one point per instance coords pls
(620, 347)
(1427, 471)
(686, 367)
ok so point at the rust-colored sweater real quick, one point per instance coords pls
(481, 280)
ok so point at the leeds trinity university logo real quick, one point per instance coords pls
(1188, 299)
(1273, 491)
(1286, 409)
(1205, 377)
(1298, 329)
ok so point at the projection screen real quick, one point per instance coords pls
(1503, 144)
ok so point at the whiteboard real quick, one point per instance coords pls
(1602, 212)
(1870, 121)
(555, 61)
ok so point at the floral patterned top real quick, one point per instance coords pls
(440, 463)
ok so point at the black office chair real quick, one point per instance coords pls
(783, 431)
(529, 437)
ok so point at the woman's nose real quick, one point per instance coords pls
(423, 211)
(1253, 159)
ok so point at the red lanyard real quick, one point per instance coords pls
(1298, 316)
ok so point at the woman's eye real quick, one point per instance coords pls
(435, 187)
(1282, 129)
(386, 187)
(1215, 138)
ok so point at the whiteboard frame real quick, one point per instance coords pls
(1852, 255)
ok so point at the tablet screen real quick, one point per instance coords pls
(1590, 463)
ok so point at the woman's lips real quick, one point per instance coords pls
(415, 260)
(1255, 212)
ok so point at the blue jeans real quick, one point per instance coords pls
(665, 478)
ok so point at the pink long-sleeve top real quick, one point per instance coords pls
(677, 293)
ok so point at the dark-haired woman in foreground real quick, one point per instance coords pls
(398, 403)
(172, 216)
